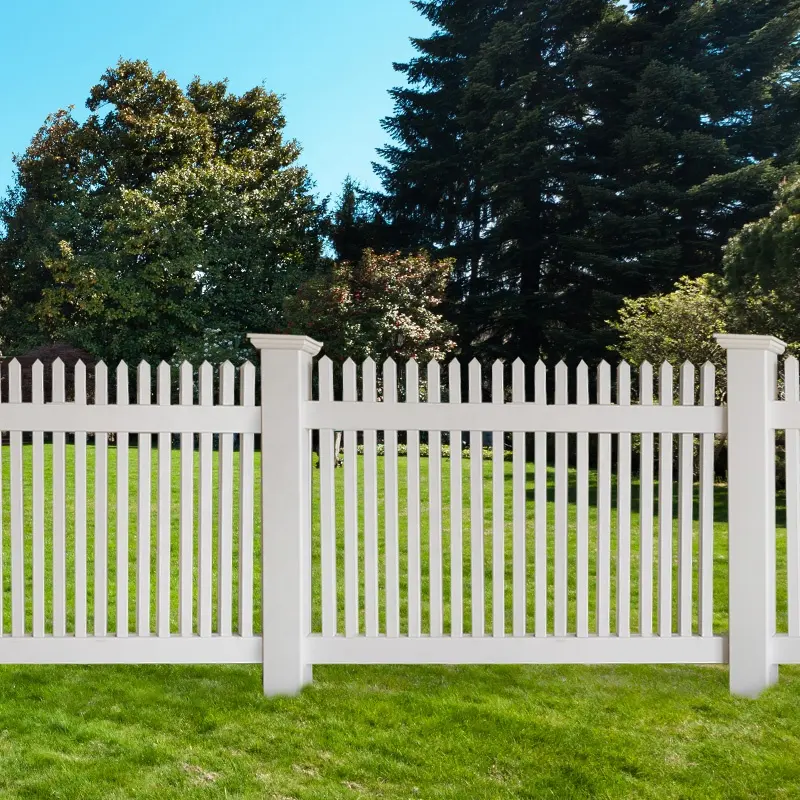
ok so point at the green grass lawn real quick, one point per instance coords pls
(395, 732)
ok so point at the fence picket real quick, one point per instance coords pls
(603, 508)
(456, 510)
(413, 495)
(518, 548)
(391, 507)
(498, 512)
(706, 550)
(186, 511)
(350, 510)
(80, 506)
(477, 561)
(665, 510)
(540, 508)
(327, 507)
(685, 508)
(582, 511)
(122, 508)
(225, 511)
(247, 399)
(164, 509)
(561, 521)
(37, 490)
(646, 509)
(205, 495)
(59, 510)
(624, 509)
(2, 534)
(435, 507)
(143, 515)
(17, 509)
(100, 508)
(369, 384)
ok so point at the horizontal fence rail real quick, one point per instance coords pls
(301, 512)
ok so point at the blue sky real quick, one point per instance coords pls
(332, 59)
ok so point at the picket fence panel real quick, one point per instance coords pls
(502, 510)
(78, 558)
(496, 513)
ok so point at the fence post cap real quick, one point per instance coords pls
(746, 341)
(279, 341)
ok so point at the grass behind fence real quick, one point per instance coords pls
(720, 545)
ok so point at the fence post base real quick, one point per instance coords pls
(286, 366)
(752, 383)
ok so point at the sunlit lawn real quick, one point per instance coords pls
(395, 732)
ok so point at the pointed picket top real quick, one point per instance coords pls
(247, 384)
(325, 372)
(186, 383)
(687, 383)
(562, 383)
(80, 383)
(164, 381)
(37, 382)
(498, 387)
(604, 383)
(389, 381)
(582, 374)
(349, 389)
(433, 378)
(540, 382)
(475, 388)
(707, 383)
(412, 381)
(665, 384)
(59, 382)
(646, 384)
(227, 378)
(454, 381)
(623, 383)
(122, 384)
(369, 380)
(143, 383)
(518, 381)
(206, 381)
(100, 383)
(14, 381)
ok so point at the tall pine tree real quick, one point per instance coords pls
(568, 154)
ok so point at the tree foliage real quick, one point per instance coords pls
(676, 326)
(762, 271)
(166, 225)
(381, 306)
(569, 154)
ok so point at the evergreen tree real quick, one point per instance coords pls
(697, 111)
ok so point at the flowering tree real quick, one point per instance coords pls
(381, 306)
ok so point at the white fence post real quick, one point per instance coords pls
(752, 382)
(286, 365)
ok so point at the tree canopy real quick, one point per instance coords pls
(381, 306)
(570, 154)
(166, 225)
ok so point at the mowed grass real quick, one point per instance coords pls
(394, 732)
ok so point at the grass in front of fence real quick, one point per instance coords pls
(440, 733)
(391, 732)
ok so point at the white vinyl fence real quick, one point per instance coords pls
(583, 533)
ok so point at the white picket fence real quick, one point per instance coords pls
(385, 561)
